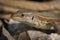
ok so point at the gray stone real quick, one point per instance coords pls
(37, 35)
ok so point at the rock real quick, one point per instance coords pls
(37, 35)
(2, 36)
(24, 36)
(53, 36)
(32, 5)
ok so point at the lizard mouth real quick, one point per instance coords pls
(41, 0)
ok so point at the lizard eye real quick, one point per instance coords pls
(22, 15)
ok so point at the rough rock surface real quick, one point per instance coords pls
(37, 35)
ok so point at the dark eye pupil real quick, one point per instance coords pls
(22, 15)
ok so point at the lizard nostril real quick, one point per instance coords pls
(32, 17)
